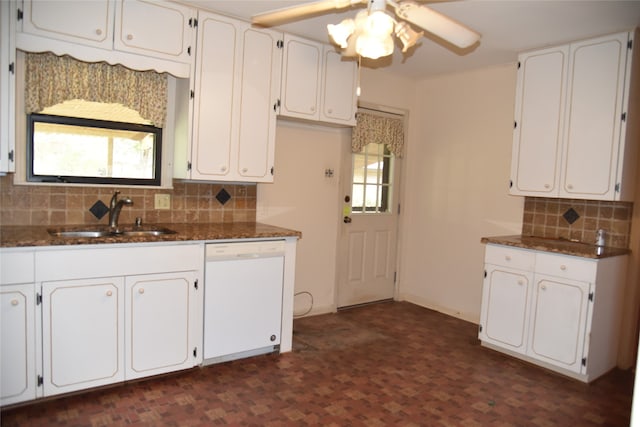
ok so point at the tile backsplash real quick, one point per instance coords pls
(190, 202)
(577, 219)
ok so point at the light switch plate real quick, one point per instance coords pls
(163, 201)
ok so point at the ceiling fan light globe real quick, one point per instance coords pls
(407, 35)
(340, 33)
(374, 47)
(378, 24)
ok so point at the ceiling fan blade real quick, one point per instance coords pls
(301, 11)
(437, 23)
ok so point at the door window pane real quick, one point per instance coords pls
(372, 172)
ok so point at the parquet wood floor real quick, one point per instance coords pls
(389, 364)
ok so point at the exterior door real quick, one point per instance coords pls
(367, 248)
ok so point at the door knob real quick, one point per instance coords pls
(347, 220)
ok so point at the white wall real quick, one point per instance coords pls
(457, 172)
(301, 198)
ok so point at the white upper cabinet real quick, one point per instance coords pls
(87, 22)
(237, 83)
(7, 87)
(138, 34)
(301, 78)
(317, 84)
(539, 111)
(339, 83)
(152, 28)
(571, 121)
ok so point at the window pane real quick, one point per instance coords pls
(359, 163)
(357, 197)
(374, 168)
(83, 150)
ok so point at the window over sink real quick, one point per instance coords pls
(79, 150)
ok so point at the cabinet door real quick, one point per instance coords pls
(593, 118)
(339, 82)
(537, 137)
(152, 28)
(559, 321)
(259, 90)
(88, 23)
(214, 125)
(158, 320)
(301, 78)
(17, 344)
(243, 305)
(505, 307)
(82, 338)
(7, 87)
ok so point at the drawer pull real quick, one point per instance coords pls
(563, 267)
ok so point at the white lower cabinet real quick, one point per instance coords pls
(83, 331)
(158, 320)
(80, 317)
(558, 311)
(17, 343)
(505, 313)
(559, 321)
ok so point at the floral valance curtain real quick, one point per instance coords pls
(52, 79)
(378, 129)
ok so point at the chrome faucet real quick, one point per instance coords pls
(115, 206)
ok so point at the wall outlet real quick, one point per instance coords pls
(163, 201)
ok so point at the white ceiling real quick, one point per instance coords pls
(507, 27)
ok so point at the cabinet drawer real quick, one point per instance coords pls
(509, 256)
(568, 267)
(16, 267)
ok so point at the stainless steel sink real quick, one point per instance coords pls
(93, 232)
(80, 233)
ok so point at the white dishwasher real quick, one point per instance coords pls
(242, 299)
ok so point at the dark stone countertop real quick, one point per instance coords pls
(559, 246)
(23, 236)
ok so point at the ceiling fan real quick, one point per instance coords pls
(369, 34)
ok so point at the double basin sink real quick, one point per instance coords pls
(105, 231)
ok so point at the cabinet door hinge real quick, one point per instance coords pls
(40, 380)
(193, 22)
(189, 51)
(617, 187)
(519, 65)
(195, 284)
(510, 183)
(192, 94)
(485, 274)
(280, 44)
(188, 166)
(395, 276)
(12, 68)
(591, 296)
(195, 352)
(584, 361)
(515, 124)
(271, 170)
(630, 44)
(276, 105)
(398, 208)
(38, 299)
(479, 328)
(623, 117)
(10, 156)
(20, 15)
